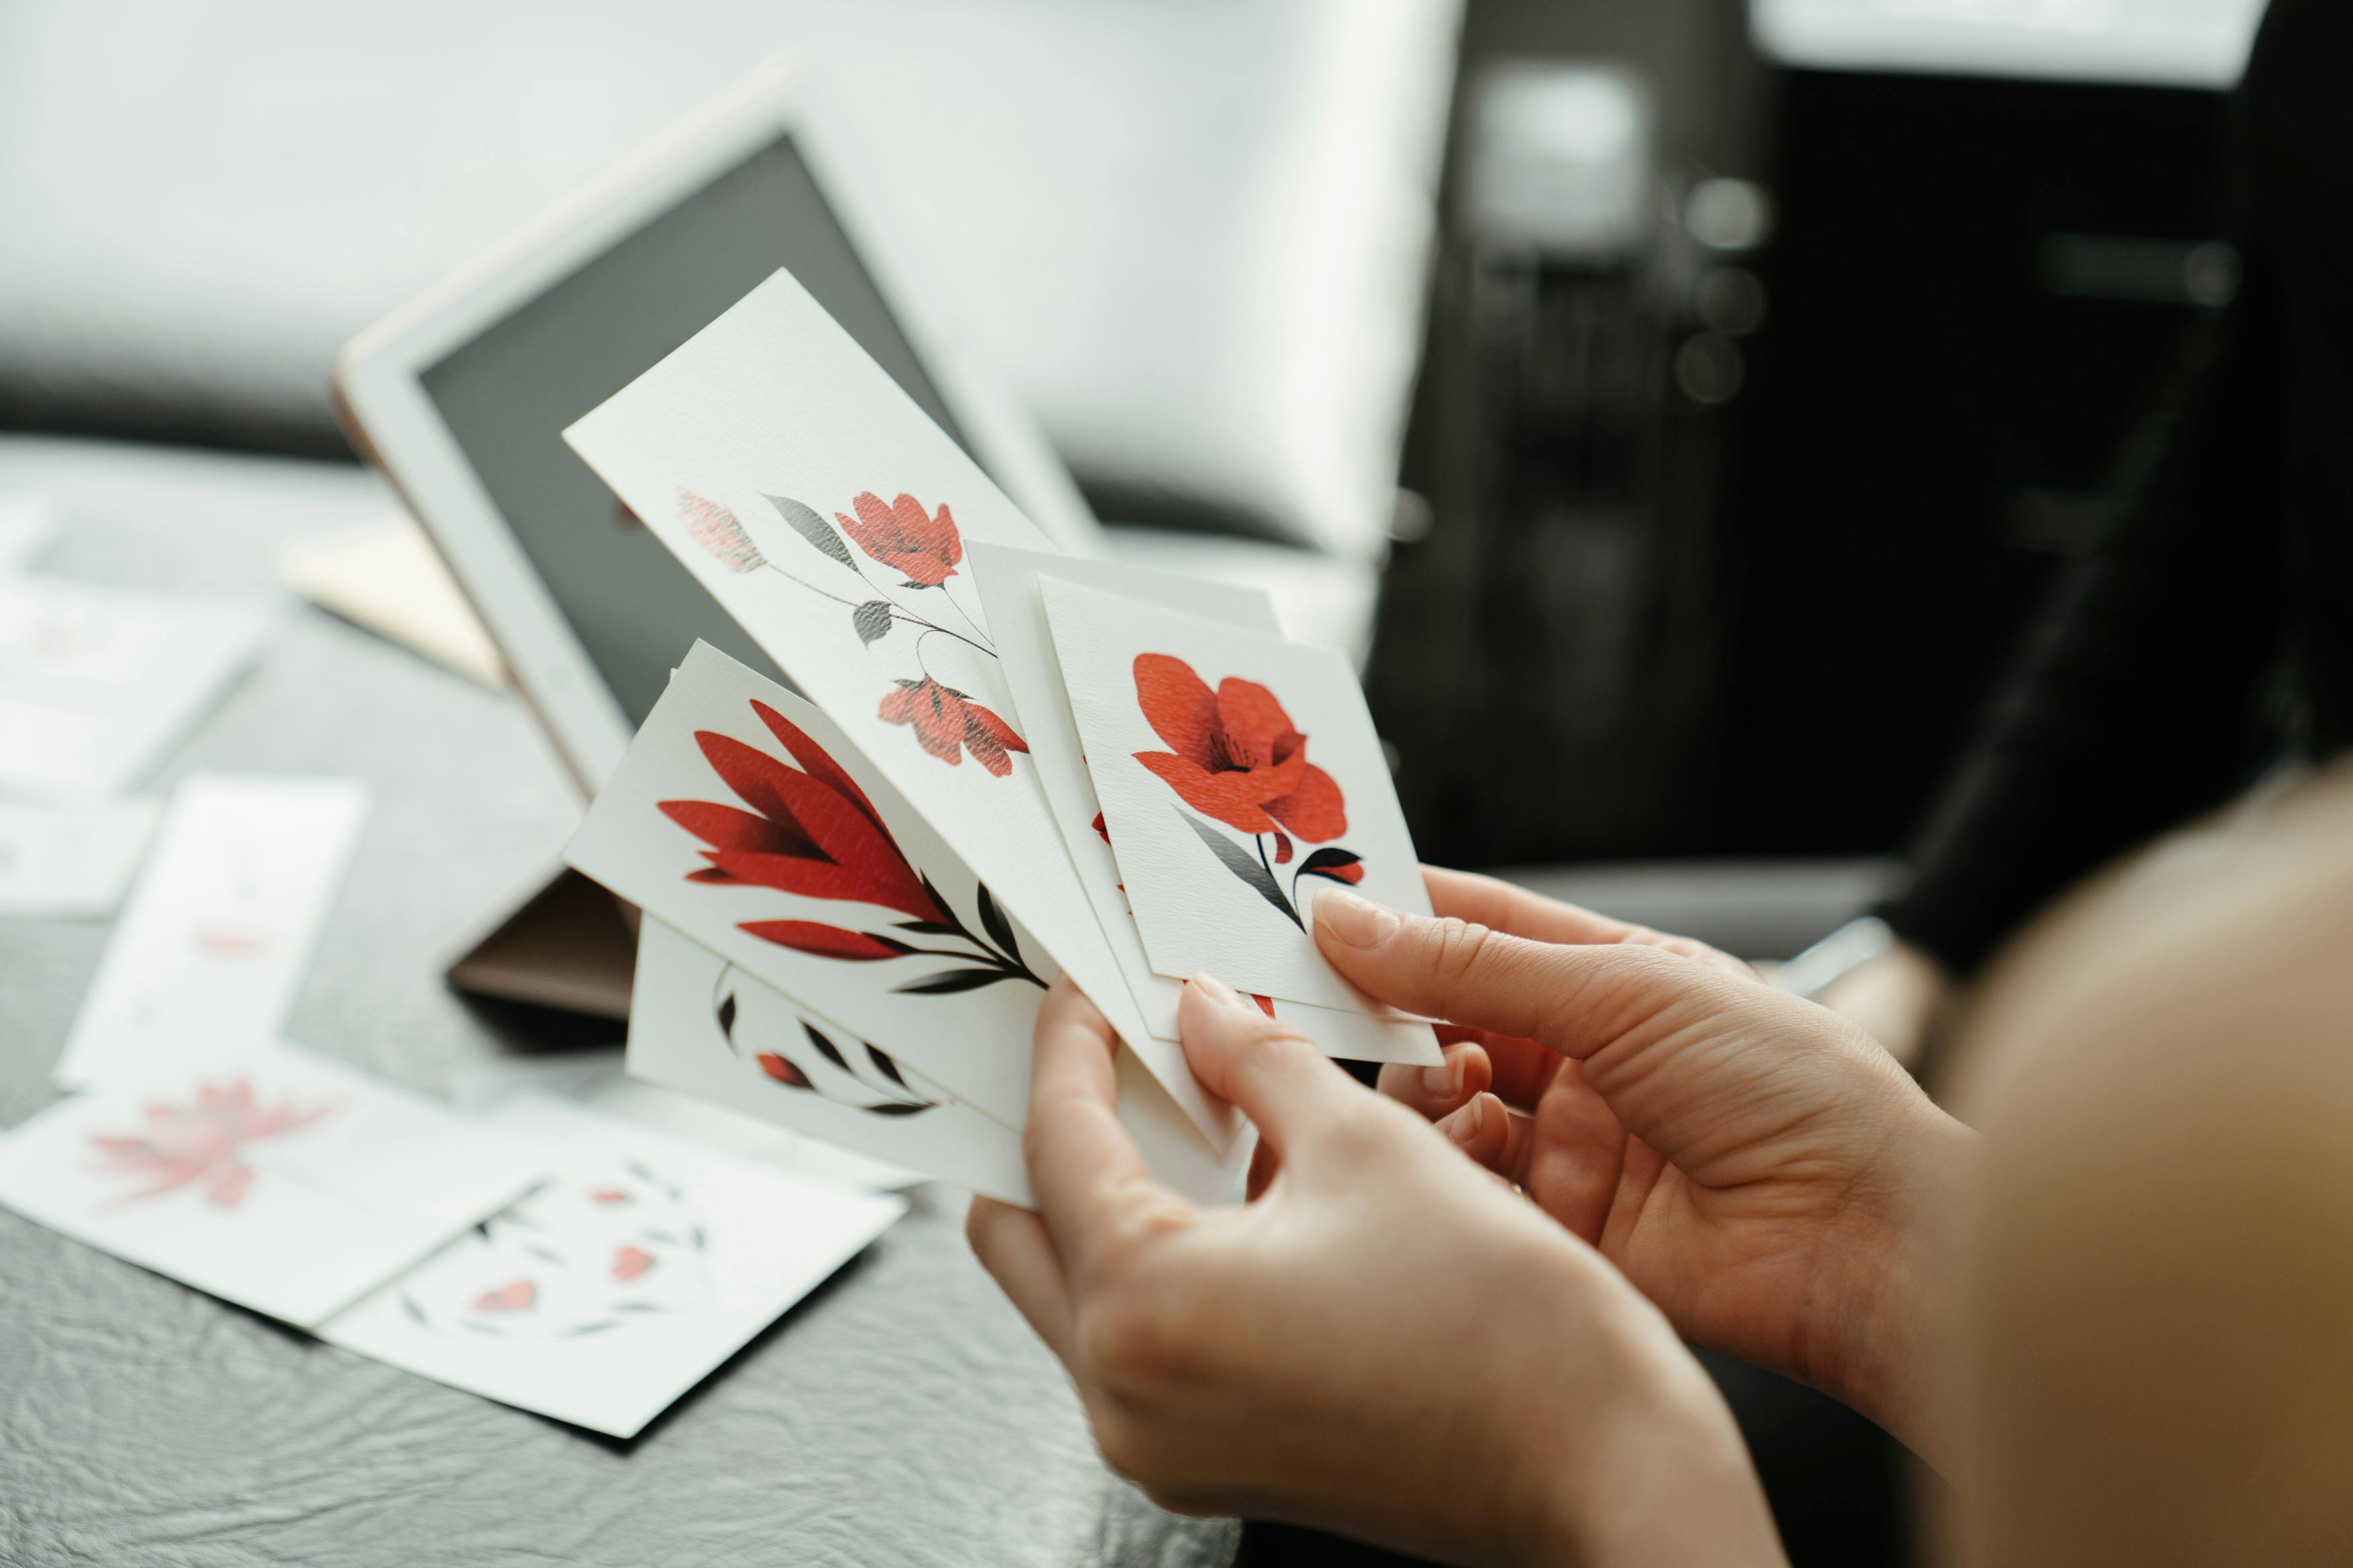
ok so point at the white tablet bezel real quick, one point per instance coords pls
(380, 392)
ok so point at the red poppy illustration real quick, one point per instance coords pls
(202, 1142)
(515, 1296)
(1235, 756)
(925, 549)
(814, 833)
(947, 724)
(630, 1262)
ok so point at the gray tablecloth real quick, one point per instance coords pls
(901, 1415)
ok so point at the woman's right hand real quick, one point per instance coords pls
(1756, 1164)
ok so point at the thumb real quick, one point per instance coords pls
(1681, 1052)
(1574, 997)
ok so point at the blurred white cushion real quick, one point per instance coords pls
(1192, 237)
(1320, 598)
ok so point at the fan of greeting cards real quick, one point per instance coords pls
(1005, 765)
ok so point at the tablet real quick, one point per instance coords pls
(462, 397)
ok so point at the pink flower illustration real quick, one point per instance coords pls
(202, 1143)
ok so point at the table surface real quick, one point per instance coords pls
(903, 1414)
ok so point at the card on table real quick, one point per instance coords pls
(219, 928)
(1007, 579)
(638, 1267)
(71, 861)
(96, 680)
(744, 817)
(830, 516)
(263, 1174)
(700, 1024)
(1236, 773)
(27, 523)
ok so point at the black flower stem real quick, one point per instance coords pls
(902, 613)
(1259, 839)
(1010, 965)
(898, 611)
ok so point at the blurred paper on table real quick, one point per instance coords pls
(219, 929)
(700, 1024)
(264, 1175)
(95, 680)
(71, 862)
(386, 576)
(640, 1267)
(27, 523)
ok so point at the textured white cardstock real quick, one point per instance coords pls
(1008, 579)
(746, 818)
(709, 1027)
(67, 862)
(267, 1176)
(95, 680)
(220, 925)
(830, 516)
(640, 1265)
(1237, 771)
(27, 523)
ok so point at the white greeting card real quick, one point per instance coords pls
(96, 680)
(830, 516)
(1236, 773)
(73, 861)
(702, 1025)
(744, 817)
(637, 1269)
(219, 928)
(1008, 579)
(267, 1176)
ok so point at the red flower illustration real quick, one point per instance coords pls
(629, 1262)
(902, 537)
(811, 831)
(783, 1071)
(203, 1142)
(1235, 756)
(947, 724)
(515, 1296)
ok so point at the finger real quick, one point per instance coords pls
(1578, 1151)
(1571, 998)
(1492, 1134)
(1266, 1070)
(1520, 1069)
(1505, 907)
(1084, 1168)
(1013, 1245)
(1264, 1168)
(1436, 1091)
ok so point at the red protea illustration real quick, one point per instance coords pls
(203, 1142)
(813, 832)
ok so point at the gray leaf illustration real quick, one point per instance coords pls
(813, 528)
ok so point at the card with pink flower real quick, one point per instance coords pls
(266, 1175)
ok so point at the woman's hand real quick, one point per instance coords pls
(1385, 1342)
(1756, 1164)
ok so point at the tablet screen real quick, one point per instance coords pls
(508, 394)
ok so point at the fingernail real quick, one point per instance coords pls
(1353, 920)
(1464, 1126)
(1218, 991)
(1443, 1081)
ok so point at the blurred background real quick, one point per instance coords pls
(1677, 404)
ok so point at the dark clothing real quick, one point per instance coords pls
(2212, 629)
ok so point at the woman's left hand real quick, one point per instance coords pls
(1385, 1342)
